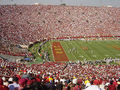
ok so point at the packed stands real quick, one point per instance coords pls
(69, 75)
(22, 24)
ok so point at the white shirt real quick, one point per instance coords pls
(74, 81)
(93, 87)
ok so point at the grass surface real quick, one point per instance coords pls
(80, 50)
(34, 50)
(91, 50)
(48, 47)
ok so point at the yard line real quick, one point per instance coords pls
(79, 48)
(52, 51)
(118, 54)
(73, 54)
(107, 50)
(69, 48)
(93, 46)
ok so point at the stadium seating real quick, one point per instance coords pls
(20, 24)
(53, 72)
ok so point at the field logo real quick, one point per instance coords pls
(58, 52)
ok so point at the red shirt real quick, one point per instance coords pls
(77, 87)
(96, 82)
(79, 81)
(112, 87)
(3, 87)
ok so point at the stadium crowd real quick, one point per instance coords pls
(21, 24)
(15, 54)
(58, 76)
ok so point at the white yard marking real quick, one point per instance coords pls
(106, 55)
(71, 53)
(118, 54)
(94, 55)
(81, 56)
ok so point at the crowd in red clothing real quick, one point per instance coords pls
(21, 24)
(14, 54)
(53, 75)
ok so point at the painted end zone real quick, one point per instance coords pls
(58, 52)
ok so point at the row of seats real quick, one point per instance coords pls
(69, 74)
(21, 24)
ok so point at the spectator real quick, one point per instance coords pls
(3, 87)
(111, 86)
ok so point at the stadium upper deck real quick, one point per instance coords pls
(21, 24)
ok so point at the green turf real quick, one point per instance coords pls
(81, 50)
(48, 47)
(34, 50)
(91, 50)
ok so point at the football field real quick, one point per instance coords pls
(86, 50)
(91, 50)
